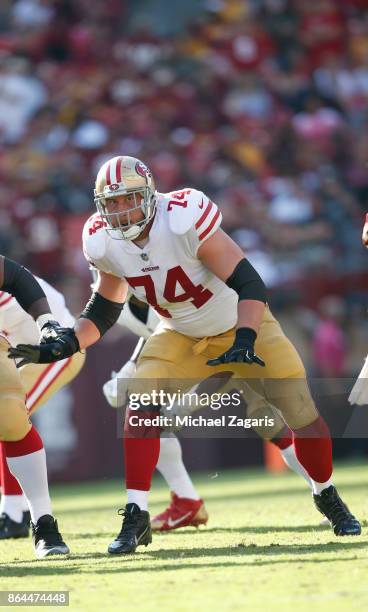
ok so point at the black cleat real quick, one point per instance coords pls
(47, 539)
(341, 520)
(135, 531)
(12, 529)
(27, 517)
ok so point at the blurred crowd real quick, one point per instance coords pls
(260, 103)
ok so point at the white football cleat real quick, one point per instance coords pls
(115, 390)
(359, 393)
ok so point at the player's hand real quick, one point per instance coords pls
(65, 345)
(242, 351)
(49, 332)
(365, 235)
(115, 390)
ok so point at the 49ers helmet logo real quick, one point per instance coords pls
(141, 169)
(114, 187)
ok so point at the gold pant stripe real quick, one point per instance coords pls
(42, 381)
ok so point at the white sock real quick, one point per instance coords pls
(135, 496)
(170, 465)
(318, 487)
(12, 506)
(291, 460)
(31, 472)
(25, 507)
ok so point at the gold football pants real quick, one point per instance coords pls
(168, 357)
(23, 390)
(42, 381)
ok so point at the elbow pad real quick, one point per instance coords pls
(21, 284)
(102, 312)
(247, 283)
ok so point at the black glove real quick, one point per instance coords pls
(65, 345)
(242, 351)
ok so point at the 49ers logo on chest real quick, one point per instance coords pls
(196, 294)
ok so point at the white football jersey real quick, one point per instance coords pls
(19, 327)
(166, 273)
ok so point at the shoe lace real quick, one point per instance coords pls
(339, 511)
(129, 523)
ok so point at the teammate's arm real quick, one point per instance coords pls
(99, 314)
(226, 260)
(20, 283)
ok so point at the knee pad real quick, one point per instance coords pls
(270, 422)
(269, 419)
(14, 419)
(293, 399)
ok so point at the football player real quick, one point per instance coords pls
(40, 383)
(359, 393)
(186, 507)
(170, 250)
(21, 443)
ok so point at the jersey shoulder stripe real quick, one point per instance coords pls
(191, 210)
(212, 226)
(94, 238)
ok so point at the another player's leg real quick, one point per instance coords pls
(26, 458)
(40, 382)
(186, 509)
(27, 461)
(14, 513)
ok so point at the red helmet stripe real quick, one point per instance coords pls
(118, 170)
(108, 180)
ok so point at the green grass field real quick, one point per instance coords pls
(262, 549)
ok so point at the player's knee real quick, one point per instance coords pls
(14, 420)
(268, 421)
(293, 399)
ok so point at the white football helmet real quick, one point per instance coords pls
(124, 175)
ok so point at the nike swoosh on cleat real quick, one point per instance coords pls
(172, 523)
(201, 204)
(141, 535)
